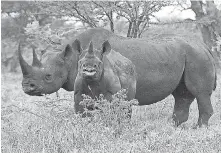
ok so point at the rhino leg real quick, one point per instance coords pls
(199, 78)
(203, 100)
(183, 99)
(205, 109)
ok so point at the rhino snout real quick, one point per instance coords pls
(31, 89)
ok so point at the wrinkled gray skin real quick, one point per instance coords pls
(104, 72)
(165, 65)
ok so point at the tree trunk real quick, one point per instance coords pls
(111, 22)
(129, 29)
(143, 28)
(210, 30)
(112, 26)
(197, 7)
(136, 28)
(133, 29)
(206, 29)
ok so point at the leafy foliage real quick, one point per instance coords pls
(113, 113)
(98, 13)
(138, 14)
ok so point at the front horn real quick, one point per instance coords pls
(90, 49)
(26, 69)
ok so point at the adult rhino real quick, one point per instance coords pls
(164, 65)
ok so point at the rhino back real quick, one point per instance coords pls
(159, 65)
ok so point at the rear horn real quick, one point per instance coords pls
(36, 61)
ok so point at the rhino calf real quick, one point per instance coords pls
(102, 72)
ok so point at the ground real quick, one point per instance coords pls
(48, 124)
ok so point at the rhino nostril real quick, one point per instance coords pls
(32, 85)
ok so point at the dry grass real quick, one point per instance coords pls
(48, 124)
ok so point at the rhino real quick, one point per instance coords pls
(102, 71)
(50, 74)
(164, 65)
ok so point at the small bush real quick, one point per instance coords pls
(111, 113)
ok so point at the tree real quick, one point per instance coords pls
(106, 8)
(138, 14)
(101, 13)
(16, 15)
(209, 18)
(208, 21)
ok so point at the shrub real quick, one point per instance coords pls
(112, 113)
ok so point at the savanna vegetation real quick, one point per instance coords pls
(49, 124)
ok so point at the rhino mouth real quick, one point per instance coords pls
(32, 92)
(89, 72)
(35, 93)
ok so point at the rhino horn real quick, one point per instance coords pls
(35, 62)
(90, 49)
(26, 69)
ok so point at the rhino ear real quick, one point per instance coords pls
(106, 47)
(76, 45)
(66, 54)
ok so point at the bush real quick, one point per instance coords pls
(112, 113)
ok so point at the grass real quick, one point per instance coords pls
(49, 124)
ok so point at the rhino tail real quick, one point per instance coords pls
(213, 59)
(215, 81)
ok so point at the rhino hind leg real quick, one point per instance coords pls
(205, 109)
(183, 99)
(199, 80)
(202, 91)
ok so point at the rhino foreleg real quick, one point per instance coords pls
(108, 96)
(77, 99)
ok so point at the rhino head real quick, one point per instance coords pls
(90, 64)
(54, 71)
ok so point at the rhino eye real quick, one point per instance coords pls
(48, 77)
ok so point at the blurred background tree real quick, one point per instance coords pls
(210, 23)
(44, 25)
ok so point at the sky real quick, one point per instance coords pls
(175, 12)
